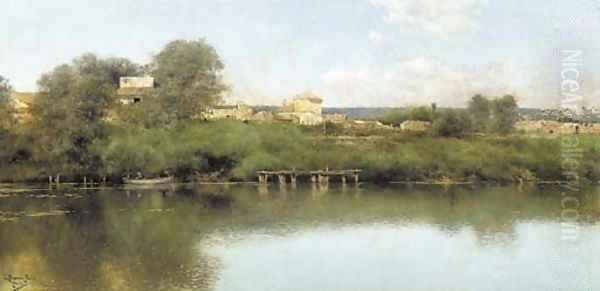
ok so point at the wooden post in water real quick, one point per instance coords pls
(293, 180)
(260, 179)
(58, 180)
(356, 178)
(84, 181)
(344, 180)
(281, 179)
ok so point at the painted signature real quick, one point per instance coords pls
(17, 283)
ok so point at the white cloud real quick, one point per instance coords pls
(433, 16)
(375, 37)
(417, 81)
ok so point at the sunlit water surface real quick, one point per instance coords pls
(250, 238)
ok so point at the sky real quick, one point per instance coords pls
(350, 52)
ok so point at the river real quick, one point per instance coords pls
(341, 238)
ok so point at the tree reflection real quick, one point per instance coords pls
(153, 239)
(110, 243)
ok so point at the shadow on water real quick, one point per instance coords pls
(157, 239)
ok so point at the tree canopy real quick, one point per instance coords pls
(5, 89)
(452, 123)
(504, 114)
(7, 119)
(188, 77)
(73, 102)
(480, 109)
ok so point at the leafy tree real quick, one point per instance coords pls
(121, 67)
(7, 113)
(70, 109)
(188, 76)
(148, 114)
(7, 119)
(6, 116)
(504, 114)
(5, 90)
(452, 123)
(479, 108)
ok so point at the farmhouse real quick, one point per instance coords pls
(134, 89)
(415, 126)
(238, 112)
(304, 109)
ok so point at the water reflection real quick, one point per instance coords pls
(313, 238)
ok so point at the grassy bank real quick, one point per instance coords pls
(231, 150)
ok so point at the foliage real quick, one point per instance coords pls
(70, 110)
(147, 114)
(504, 114)
(7, 120)
(497, 115)
(480, 109)
(420, 113)
(452, 123)
(236, 150)
(188, 76)
(5, 90)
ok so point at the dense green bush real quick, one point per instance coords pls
(452, 123)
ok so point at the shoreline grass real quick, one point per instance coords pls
(234, 151)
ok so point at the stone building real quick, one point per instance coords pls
(302, 118)
(335, 118)
(237, 112)
(265, 116)
(133, 89)
(304, 109)
(415, 126)
(367, 124)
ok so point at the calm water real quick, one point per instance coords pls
(246, 238)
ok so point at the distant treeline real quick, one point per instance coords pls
(378, 113)
(482, 115)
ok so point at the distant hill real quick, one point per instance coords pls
(378, 112)
(351, 112)
(360, 112)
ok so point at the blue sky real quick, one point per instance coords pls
(352, 52)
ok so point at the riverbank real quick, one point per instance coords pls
(233, 152)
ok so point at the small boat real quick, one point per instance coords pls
(165, 180)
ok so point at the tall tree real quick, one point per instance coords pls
(188, 76)
(70, 109)
(7, 119)
(479, 108)
(5, 90)
(505, 113)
